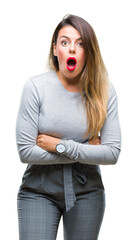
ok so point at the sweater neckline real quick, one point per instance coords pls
(75, 94)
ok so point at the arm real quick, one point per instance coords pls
(109, 150)
(27, 131)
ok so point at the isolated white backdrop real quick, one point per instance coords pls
(26, 28)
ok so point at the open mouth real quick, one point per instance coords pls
(71, 63)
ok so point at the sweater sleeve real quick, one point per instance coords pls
(27, 130)
(109, 150)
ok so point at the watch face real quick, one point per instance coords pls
(60, 148)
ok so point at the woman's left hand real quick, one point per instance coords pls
(47, 142)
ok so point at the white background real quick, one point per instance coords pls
(26, 29)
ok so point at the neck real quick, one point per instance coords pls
(71, 84)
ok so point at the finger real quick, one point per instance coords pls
(39, 144)
(38, 141)
(39, 136)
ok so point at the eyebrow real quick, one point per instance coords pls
(69, 38)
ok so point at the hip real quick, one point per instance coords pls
(49, 178)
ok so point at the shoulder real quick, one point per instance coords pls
(112, 100)
(112, 93)
(42, 79)
(41, 83)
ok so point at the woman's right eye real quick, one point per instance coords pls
(64, 43)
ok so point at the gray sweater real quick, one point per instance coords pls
(47, 107)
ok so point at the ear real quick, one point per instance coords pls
(54, 49)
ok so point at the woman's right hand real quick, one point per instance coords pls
(96, 141)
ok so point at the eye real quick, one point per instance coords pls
(64, 43)
(80, 44)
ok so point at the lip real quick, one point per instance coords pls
(72, 66)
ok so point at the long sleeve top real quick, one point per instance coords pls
(47, 107)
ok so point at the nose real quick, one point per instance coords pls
(72, 48)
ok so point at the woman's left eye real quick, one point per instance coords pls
(80, 44)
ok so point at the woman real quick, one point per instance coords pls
(67, 126)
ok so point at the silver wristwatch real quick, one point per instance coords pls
(60, 148)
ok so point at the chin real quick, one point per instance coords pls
(73, 74)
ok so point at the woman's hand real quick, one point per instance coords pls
(47, 142)
(96, 141)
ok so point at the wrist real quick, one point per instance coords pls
(60, 147)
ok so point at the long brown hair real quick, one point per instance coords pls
(94, 82)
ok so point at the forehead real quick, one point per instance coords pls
(69, 32)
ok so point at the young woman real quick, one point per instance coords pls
(67, 126)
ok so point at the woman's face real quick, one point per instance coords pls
(70, 52)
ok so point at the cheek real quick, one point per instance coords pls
(83, 55)
(82, 58)
(60, 55)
